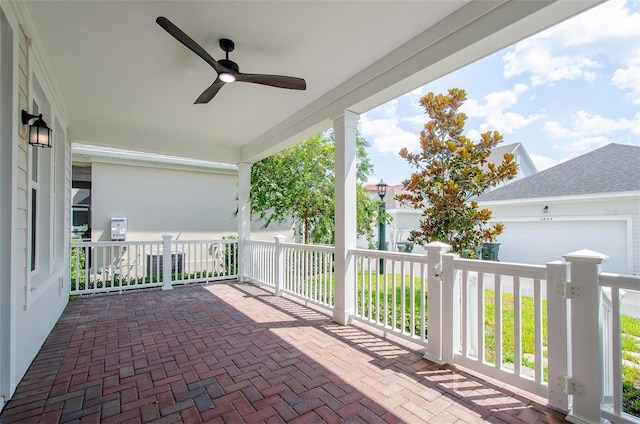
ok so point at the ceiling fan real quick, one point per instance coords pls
(228, 71)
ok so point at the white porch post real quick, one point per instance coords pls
(279, 256)
(450, 308)
(344, 127)
(585, 380)
(558, 343)
(166, 262)
(435, 304)
(244, 218)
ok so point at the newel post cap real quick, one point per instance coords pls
(437, 246)
(586, 256)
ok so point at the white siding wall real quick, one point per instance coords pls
(36, 299)
(7, 150)
(155, 201)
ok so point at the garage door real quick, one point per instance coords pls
(539, 242)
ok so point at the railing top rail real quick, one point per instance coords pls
(310, 247)
(620, 281)
(502, 268)
(114, 243)
(227, 241)
(383, 254)
(139, 242)
(261, 242)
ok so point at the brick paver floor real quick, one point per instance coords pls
(234, 353)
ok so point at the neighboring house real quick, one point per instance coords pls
(589, 202)
(405, 218)
(189, 199)
(526, 166)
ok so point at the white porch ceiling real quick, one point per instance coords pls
(126, 83)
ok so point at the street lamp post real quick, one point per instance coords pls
(382, 190)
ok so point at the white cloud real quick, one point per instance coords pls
(508, 122)
(585, 124)
(382, 129)
(530, 56)
(543, 162)
(612, 20)
(493, 111)
(555, 129)
(567, 51)
(585, 131)
(628, 79)
(414, 97)
(473, 135)
(419, 119)
(584, 145)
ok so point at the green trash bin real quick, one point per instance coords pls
(405, 246)
(490, 251)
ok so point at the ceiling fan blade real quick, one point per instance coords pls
(208, 94)
(187, 41)
(279, 81)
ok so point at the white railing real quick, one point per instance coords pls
(261, 268)
(302, 270)
(613, 288)
(204, 260)
(390, 292)
(98, 267)
(499, 318)
(307, 271)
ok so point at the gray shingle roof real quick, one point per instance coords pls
(612, 168)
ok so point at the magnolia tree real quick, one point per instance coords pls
(450, 171)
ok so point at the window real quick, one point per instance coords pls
(33, 170)
(41, 211)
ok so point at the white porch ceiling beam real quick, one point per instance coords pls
(474, 31)
(97, 134)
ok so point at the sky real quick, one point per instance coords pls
(561, 93)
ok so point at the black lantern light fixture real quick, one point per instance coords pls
(382, 190)
(39, 133)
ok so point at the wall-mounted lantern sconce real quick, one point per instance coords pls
(39, 133)
(546, 209)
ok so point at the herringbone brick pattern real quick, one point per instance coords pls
(234, 353)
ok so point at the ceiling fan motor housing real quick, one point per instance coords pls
(229, 64)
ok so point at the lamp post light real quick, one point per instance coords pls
(382, 190)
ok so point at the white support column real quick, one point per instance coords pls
(450, 308)
(558, 335)
(279, 256)
(244, 218)
(344, 128)
(585, 380)
(435, 299)
(166, 262)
